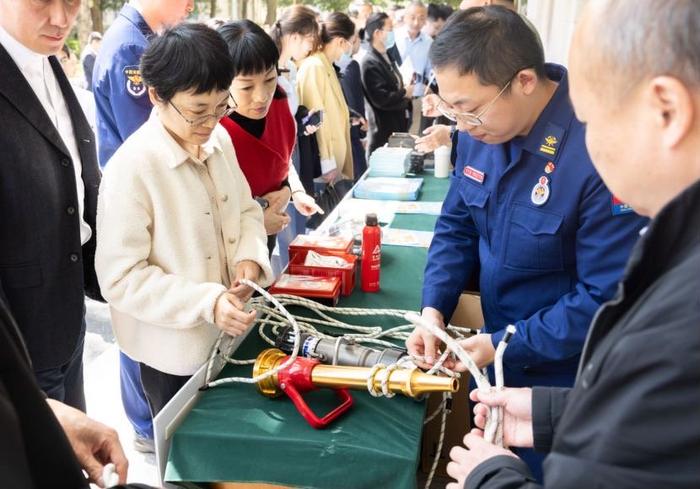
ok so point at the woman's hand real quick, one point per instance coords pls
(305, 204)
(249, 270)
(279, 199)
(309, 129)
(409, 90)
(360, 121)
(274, 220)
(230, 316)
(331, 176)
(275, 217)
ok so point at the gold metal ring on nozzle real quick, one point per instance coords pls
(265, 362)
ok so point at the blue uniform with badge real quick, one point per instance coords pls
(120, 95)
(122, 107)
(548, 241)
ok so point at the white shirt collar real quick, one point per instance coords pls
(26, 60)
(403, 33)
(178, 155)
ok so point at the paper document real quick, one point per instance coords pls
(406, 237)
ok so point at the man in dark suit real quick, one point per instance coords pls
(49, 180)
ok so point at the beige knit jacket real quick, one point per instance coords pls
(157, 252)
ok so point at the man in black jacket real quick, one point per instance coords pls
(45, 443)
(632, 418)
(48, 194)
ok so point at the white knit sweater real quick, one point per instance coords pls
(157, 253)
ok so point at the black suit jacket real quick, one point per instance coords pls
(387, 104)
(34, 450)
(44, 270)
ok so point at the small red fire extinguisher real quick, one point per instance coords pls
(371, 254)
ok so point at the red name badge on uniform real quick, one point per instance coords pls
(474, 174)
(619, 208)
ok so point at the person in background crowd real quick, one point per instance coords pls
(437, 16)
(526, 213)
(631, 419)
(295, 34)
(48, 195)
(319, 89)
(88, 57)
(360, 11)
(261, 127)
(69, 63)
(388, 100)
(413, 47)
(396, 13)
(122, 107)
(351, 82)
(177, 226)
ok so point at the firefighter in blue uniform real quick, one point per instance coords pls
(526, 212)
(122, 105)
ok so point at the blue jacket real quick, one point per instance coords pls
(121, 98)
(549, 242)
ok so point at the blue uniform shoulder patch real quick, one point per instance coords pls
(134, 83)
(551, 140)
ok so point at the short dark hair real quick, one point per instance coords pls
(493, 42)
(335, 25)
(251, 50)
(186, 57)
(375, 22)
(439, 11)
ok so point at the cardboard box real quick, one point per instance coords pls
(346, 275)
(325, 290)
(320, 244)
(468, 314)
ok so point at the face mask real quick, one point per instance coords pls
(344, 61)
(390, 40)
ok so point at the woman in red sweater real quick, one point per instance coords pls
(262, 129)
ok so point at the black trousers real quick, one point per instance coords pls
(160, 387)
(65, 382)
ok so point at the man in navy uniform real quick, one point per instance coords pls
(122, 106)
(526, 213)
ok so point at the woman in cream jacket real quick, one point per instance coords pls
(319, 88)
(177, 226)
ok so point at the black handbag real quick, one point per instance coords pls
(327, 199)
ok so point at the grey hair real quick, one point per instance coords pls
(638, 40)
(416, 3)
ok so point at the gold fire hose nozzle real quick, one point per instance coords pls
(408, 381)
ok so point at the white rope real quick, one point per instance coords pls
(482, 381)
(277, 317)
(498, 372)
(258, 378)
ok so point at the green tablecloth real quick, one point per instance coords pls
(234, 434)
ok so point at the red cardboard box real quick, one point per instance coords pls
(321, 244)
(323, 289)
(346, 274)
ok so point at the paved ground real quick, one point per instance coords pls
(104, 403)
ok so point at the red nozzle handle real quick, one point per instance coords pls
(309, 415)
